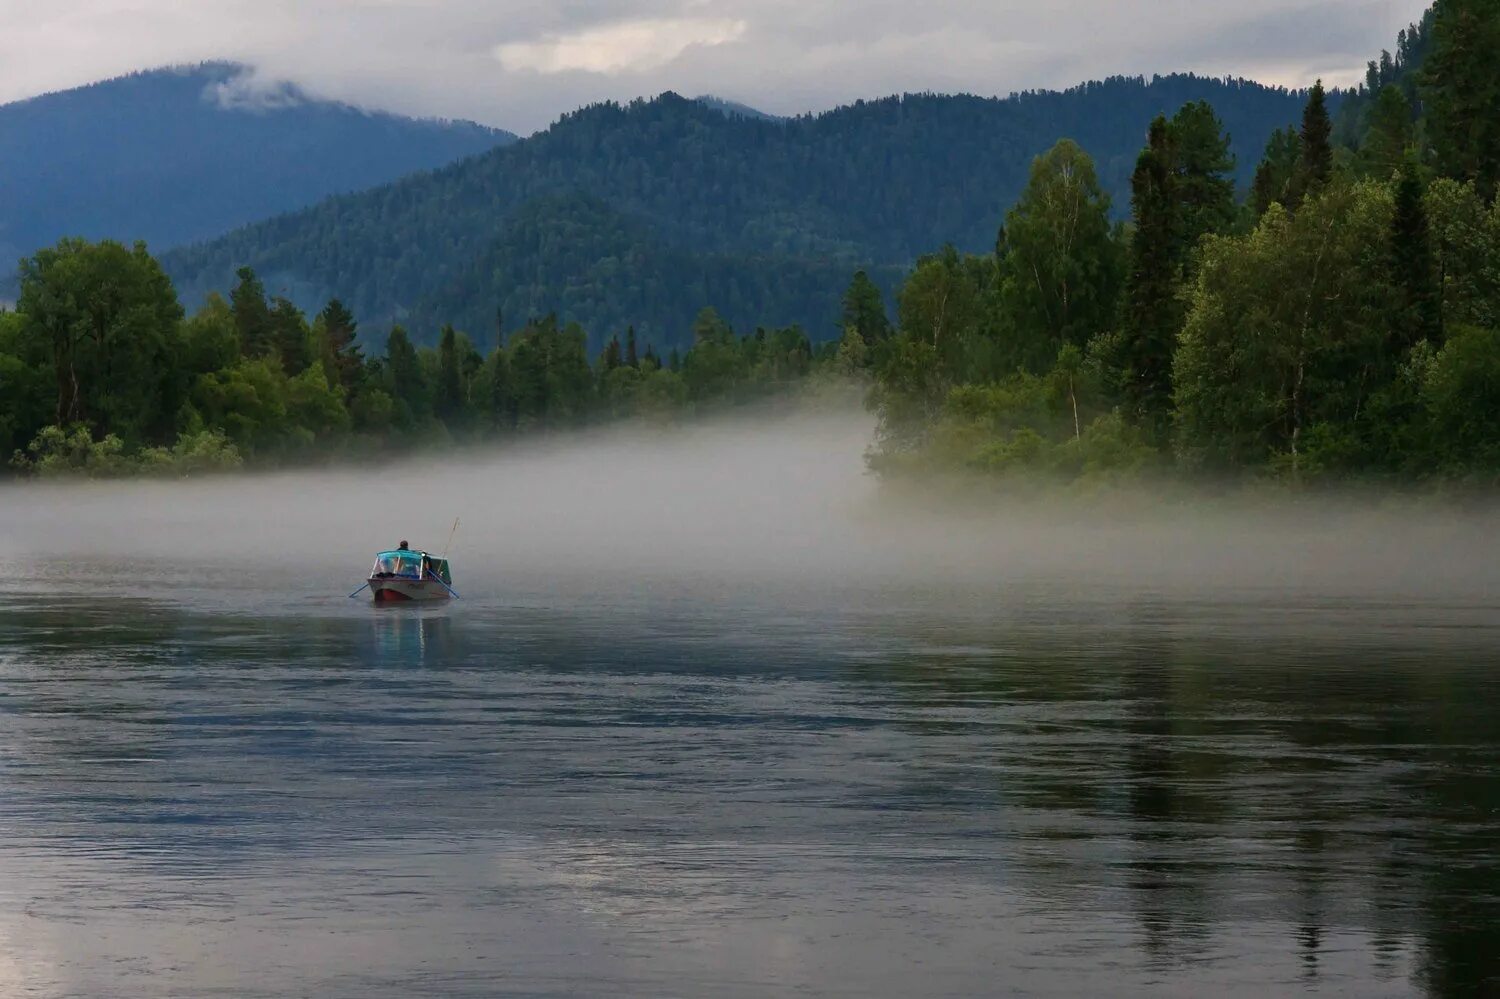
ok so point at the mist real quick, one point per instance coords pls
(769, 505)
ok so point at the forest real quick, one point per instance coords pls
(640, 214)
(1336, 319)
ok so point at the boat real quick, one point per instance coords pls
(404, 574)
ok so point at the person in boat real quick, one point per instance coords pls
(402, 547)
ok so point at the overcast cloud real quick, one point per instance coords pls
(519, 64)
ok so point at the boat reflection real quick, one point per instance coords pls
(411, 634)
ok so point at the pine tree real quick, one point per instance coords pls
(864, 310)
(289, 336)
(631, 360)
(1277, 171)
(345, 359)
(1461, 91)
(1316, 166)
(252, 317)
(674, 361)
(1389, 134)
(450, 393)
(502, 393)
(1203, 171)
(405, 371)
(610, 359)
(1413, 267)
(1152, 318)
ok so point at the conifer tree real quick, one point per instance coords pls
(864, 310)
(1203, 172)
(1277, 171)
(450, 394)
(631, 360)
(502, 392)
(1461, 91)
(1389, 134)
(289, 336)
(610, 359)
(1316, 166)
(1413, 268)
(252, 317)
(345, 360)
(1152, 319)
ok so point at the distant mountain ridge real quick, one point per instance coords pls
(643, 213)
(735, 109)
(176, 155)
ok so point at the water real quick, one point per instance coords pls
(215, 783)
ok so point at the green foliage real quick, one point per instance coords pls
(1342, 324)
(864, 310)
(1277, 173)
(1389, 139)
(1466, 239)
(1061, 265)
(1460, 392)
(105, 320)
(1285, 329)
(644, 213)
(1180, 193)
(1413, 270)
(1461, 92)
(1315, 168)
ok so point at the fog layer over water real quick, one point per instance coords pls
(718, 715)
(751, 504)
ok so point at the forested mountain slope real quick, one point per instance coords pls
(646, 212)
(176, 155)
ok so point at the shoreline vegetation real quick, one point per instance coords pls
(1337, 324)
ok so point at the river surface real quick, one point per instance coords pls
(219, 785)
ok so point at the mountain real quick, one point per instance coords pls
(735, 109)
(646, 212)
(176, 155)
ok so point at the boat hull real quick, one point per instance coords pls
(400, 591)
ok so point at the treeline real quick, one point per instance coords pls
(103, 374)
(1341, 321)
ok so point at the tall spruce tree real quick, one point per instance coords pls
(632, 360)
(1152, 315)
(1461, 91)
(1388, 136)
(1413, 266)
(405, 371)
(450, 391)
(1316, 166)
(864, 310)
(252, 316)
(1274, 178)
(610, 359)
(344, 359)
(289, 336)
(1203, 169)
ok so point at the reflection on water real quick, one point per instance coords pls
(855, 793)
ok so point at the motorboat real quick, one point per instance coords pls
(404, 574)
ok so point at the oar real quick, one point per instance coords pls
(356, 592)
(443, 584)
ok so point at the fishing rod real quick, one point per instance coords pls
(449, 545)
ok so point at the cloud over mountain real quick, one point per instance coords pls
(520, 64)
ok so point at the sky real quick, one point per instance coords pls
(518, 64)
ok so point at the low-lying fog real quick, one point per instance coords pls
(756, 502)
